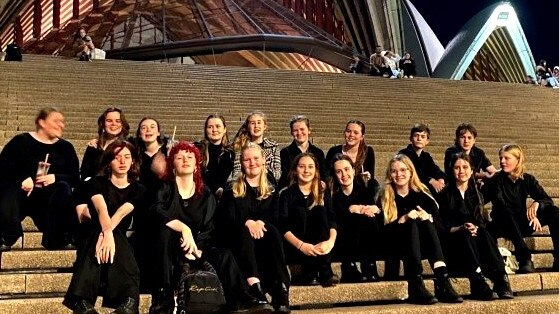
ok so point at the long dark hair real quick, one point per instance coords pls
(478, 212)
(102, 135)
(335, 186)
(140, 145)
(362, 149)
(110, 153)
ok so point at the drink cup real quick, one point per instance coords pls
(42, 169)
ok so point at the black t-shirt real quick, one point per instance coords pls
(114, 198)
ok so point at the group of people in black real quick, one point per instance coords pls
(140, 207)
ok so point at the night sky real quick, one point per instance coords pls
(539, 19)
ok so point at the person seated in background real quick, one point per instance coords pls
(379, 64)
(358, 220)
(108, 260)
(408, 209)
(247, 220)
(429, 173)
(362, 155)
(469, 248)
(464, 141)
(407, 66)
(308, 223)
(356, 65)
(184, 211)
(542, 71)
(111, 125)
(553, 80)
(84, 45)
(508, 192)
(39, 171)
(300, 130)
(530, 80)
(218, 155)
(392, 60)
(253, 130)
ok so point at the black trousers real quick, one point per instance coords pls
(169, 258)
(416, 239)
(358, 239)
(115, 282)
(50, 208)
(465, 253)
(314, 231)
(515, 226)
(263, 258)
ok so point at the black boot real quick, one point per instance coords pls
(83, 307)
(443, 288)
(350, 273)
(479, 289)
(3, 246)
(369, 270)
(501, 285)
(280, 299)
(256, 291)
(162, 302)
(129, 306)
(525, 267)
(326, 276)
(418, 294)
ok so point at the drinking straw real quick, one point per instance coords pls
(174, 131)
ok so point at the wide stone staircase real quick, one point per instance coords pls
(32, 280)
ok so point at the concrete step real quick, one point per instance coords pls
(37, 259)
(53, 305)
(541, 243)
(520, 305)
(308, 297)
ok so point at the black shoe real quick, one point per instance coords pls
(369, 270)
(479, 289)
(280, 299)
(129, 306)
(326, 277)
(350, 273)
(252, 305)
(418, 294)
(526, 267)
(83, 307)
(502, 287)
(162, 302)
(4, 247)
(256, 291)
(329, 281)
(444, 290)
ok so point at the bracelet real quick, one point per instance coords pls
(300, 245)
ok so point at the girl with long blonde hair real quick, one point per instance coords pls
(248, 213)
(408, 215)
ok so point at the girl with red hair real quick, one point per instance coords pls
(185, 209)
